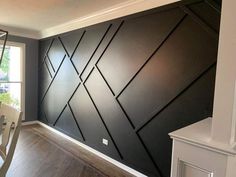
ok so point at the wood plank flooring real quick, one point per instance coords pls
(42, 153)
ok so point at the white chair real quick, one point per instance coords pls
(12, 125)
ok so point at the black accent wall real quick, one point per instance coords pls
(132, 81)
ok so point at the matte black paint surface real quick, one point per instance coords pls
(207, 14)
(128, 45)
(88, 45)
(45, 79)
(90, 123)
(67, 124)
(70, 41)
(132, 81)
(155, 85)
(62, 86)
(56, 54)
(117, 123)
(183, 111)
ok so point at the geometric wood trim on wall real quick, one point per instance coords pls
(132, 81)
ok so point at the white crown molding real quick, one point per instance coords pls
(120, 10)
(21, 32)
(123, 9)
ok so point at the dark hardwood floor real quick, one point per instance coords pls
(42, 153)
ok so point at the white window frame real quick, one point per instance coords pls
(22, 70)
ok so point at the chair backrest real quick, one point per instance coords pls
(12, 119)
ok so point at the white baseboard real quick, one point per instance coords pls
(105, 157)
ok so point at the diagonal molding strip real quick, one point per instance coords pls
(122, 119)
(138, 129)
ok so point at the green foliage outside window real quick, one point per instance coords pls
(5, 96)
(5, 61)
(4, 68)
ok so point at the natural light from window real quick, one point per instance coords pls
(11, 77)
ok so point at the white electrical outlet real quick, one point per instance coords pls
(104, 141)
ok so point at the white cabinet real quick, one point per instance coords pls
(196, 155)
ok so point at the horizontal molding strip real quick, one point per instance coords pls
(103, 156)
(123, 9)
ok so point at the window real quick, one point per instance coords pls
(12, 75)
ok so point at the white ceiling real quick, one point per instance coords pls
(35, 16)
(42, 14)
